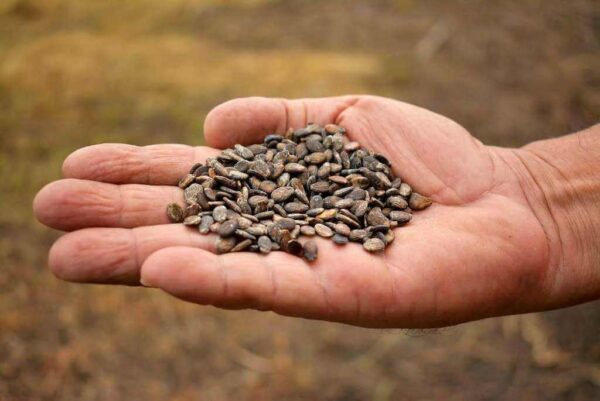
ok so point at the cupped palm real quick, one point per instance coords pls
(478, 251)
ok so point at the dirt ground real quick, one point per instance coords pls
(74, 73)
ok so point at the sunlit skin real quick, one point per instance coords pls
(484, 248)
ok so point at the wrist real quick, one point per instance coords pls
(561, 181)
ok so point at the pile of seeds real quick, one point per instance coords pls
(263, 197)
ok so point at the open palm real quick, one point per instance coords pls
(478, 251)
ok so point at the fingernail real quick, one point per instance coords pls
(145, 283)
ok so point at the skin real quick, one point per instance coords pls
(501, 238)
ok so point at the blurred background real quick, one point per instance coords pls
(75, 73)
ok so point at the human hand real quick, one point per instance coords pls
(481, 250)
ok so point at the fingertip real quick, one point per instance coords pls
(58, 255)
(44, 201)
(72, 162)
(242, 120)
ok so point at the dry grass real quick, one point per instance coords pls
(73, 73)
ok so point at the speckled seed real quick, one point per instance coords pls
(310, 251)
(282, 194)
(374, 245)
(323, 231)
(342, 229)
(397, 202)
(358, 235)
(418, 201)
(242, 245)
(400, 217)
(175, 213)
(192, 220)
(265, 244)
(340, 239)
(405, 190)
(224, 245)
(295, 207)
(309, 231)
(220, 214)
(228, 228)
(205, 224)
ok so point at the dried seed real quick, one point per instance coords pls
(224, 245)
(228, 228)
(175, 213)
(282, 194)
(418, 201)
(294, 168)
(220, 214)
(192, 220)
(323, 231)
(244, 152)
(242, 245)
(374, 245)
(265, 244)
(397, 202)
(342, 229)
(340, 239)
(205, 224)
(310, 251)
(295, 207)
(400, 217)
(187, 180)
(358, 235)
(309, 231)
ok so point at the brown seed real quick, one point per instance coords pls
(282, 194)
(328, 214)
(320, 186)
(175, 213)
(310, 251)
(376, 217)
(265, 244)
(340, 239)
(286, 224)
(374, 245)
(257, 230)
(191, 193)
(405, 190)
(219, 214)
(242, 245)
(309, 231)
(224, 245)
(237, 175)
(358, 235)
(418, 201)
(187, 180)
(267, 186)
(360, 208)
(205, 224)
(192, 220)
(316, 158)
(397, 202)
(294, 168)
(323, 231)
(338, 179)
(351, 146)
(244, 152)
(344, 204)
(228, 228)
(295, 207)
(342, 229)
(400, 217)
